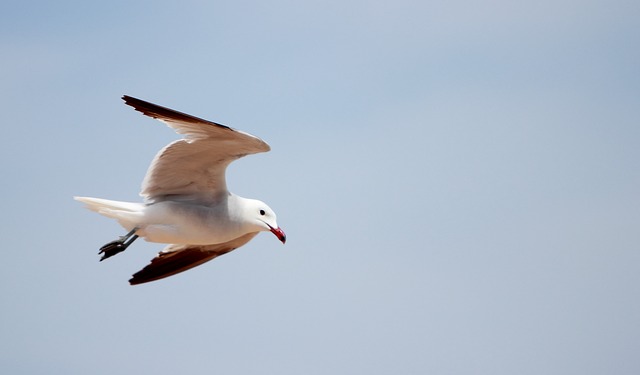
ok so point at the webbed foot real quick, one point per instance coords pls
(111, 249)
(117, 246)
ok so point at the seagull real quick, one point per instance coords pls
(186, 201)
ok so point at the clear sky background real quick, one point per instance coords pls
(459, 182)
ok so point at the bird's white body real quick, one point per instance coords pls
(182, 221)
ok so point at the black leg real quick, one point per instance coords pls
(119, 245)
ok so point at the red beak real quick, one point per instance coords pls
(279, 233)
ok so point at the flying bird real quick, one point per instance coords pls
(186, 201)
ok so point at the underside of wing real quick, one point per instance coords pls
(178, 258)
(196, 169)
(195, 165)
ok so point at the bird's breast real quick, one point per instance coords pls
(187, 223)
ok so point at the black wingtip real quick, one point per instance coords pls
(133, 281)
(146, 108)
(160, 112)
(129, 100)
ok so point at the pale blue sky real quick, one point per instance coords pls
(458, 181)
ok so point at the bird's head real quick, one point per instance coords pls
(265, 219)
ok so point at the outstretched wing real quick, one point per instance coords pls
(194, 166)
(178, 258)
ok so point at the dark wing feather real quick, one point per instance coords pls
(164, 113)
(178, 258)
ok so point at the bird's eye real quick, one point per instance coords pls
(262, 212)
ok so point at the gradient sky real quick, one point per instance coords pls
(459, 182)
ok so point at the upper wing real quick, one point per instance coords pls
(194, 166)
(178, 258)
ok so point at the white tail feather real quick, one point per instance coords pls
(128, 214)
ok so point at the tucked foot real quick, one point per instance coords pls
(114, 247)
(111, 249)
